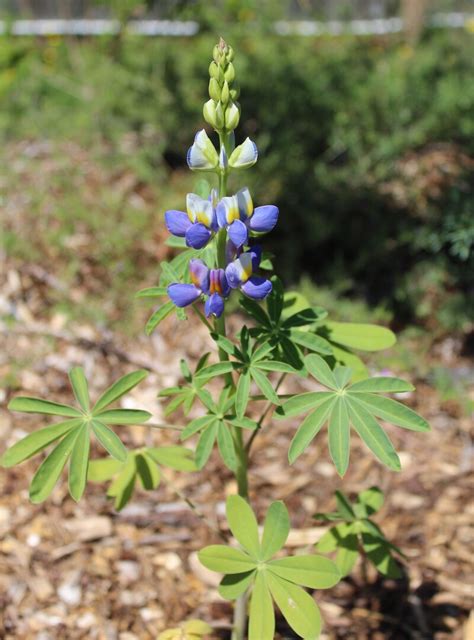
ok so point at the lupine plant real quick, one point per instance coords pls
(356, 534)
(235, 389)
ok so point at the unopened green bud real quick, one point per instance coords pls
(230, 53)
(235, 92)
(219, 117)
(232, 116)
(225, 94)
(216, 54)
(209, 113)
(214, 89)
(214, 70)
(229, 73)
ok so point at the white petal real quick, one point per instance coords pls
(245, 155)
(202, 156)
(245, 203)
(199, 210)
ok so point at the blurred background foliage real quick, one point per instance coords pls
(366, 143)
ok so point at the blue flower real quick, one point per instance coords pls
(209, 282)
(237, 215)
(198, 224)
(239, 274)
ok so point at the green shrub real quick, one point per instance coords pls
(355, 112)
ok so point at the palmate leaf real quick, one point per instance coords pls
(142, 465)
(355, 405)
(74, 433)
(357, 534)
(280, 579)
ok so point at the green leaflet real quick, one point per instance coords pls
(119, 389)
(158, 316)
(123, 416)
(50, 469)
(37, 405)
(243, 525)
(315, 572)
(147, 471)
(103, 469)
(122, 487)
(374, 436)
(320, 370)
(347, 554)
(205, 444)
(226, 446)
(311, 341)
(303, 402)
(371, 499)
(297, 606)
(339, 436)
(218, 557)
(381, 385)
(79, 463)
(34, 442)
(262, 616)
(109, 440)
(392, 411)
(79, 386)
(174, 457)
(242, 394)
(275, 530)
(365, 337)
(264, 385)
(309, 428)
(234, 585)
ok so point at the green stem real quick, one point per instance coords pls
(240, 610)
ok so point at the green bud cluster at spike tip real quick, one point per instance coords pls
(222, 111)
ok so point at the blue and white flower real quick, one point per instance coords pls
(244, 156)
(197, 224)
(240, 275)
(211, 283)
(237, 215)
(202, 155)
